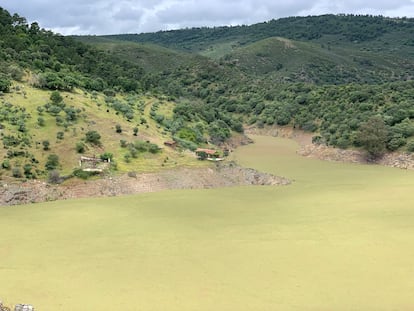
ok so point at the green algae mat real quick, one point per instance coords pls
(341, 237)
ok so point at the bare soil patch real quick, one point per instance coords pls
(216, 176)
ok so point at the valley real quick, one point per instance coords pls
(106, 201)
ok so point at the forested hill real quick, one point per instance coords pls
(329, 29)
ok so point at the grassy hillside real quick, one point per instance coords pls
(29, 119)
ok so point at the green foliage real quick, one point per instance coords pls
(135, 131)
(372, 136)
(46, 145)
(6, 164)
(93, 137)
(62, 62)
(106, 156)
(80, 147)
(41, 121)
(5, 83)
(118, 128)
(27, 170)
(78, 172)
(56, 98)
(410, 146)
(52, 162)
(17, 172)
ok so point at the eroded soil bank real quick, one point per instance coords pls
(328, 153)
(218, 175)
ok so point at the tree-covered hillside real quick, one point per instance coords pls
(60, 62)
(329, 29)
(340, 77)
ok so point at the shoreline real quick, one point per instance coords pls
(219, 175)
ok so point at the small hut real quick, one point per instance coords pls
(207, 154)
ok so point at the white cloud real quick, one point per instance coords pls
(134, 16)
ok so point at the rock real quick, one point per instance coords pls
(23, 307)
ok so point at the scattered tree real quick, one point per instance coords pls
(52, 162)
(46, 145)
(93, 137)
(372, 136)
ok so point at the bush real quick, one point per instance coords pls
(27, 168)
(80, 147)
(5, 83)
(83, 174)
(46, 145)
(410, 146)
(52, 162)
(17, 172)
(40, 121)
(55, 97)
(93, 137)
(106, 156)
(6, 164)
(54, 177)
(153, 148)
(118, 128)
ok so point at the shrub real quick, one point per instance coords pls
(52, 162)
(118, 128)
(106, 156)
(123, 143)
(40, 121)
(410, 146)
(6, 164)
(60, 135)
(80, 147)
(17, 172)
(153, 148)
(5, 83)
(55, 97)
(93, 137)
(46, 145)
(132, 174)
(54, 177)
(27, 168)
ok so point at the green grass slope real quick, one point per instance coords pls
(27, 120)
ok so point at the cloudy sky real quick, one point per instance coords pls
(136, 16)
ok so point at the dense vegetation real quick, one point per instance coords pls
(326, 74)
(336, 76)
(59, 62)
(338, 28)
